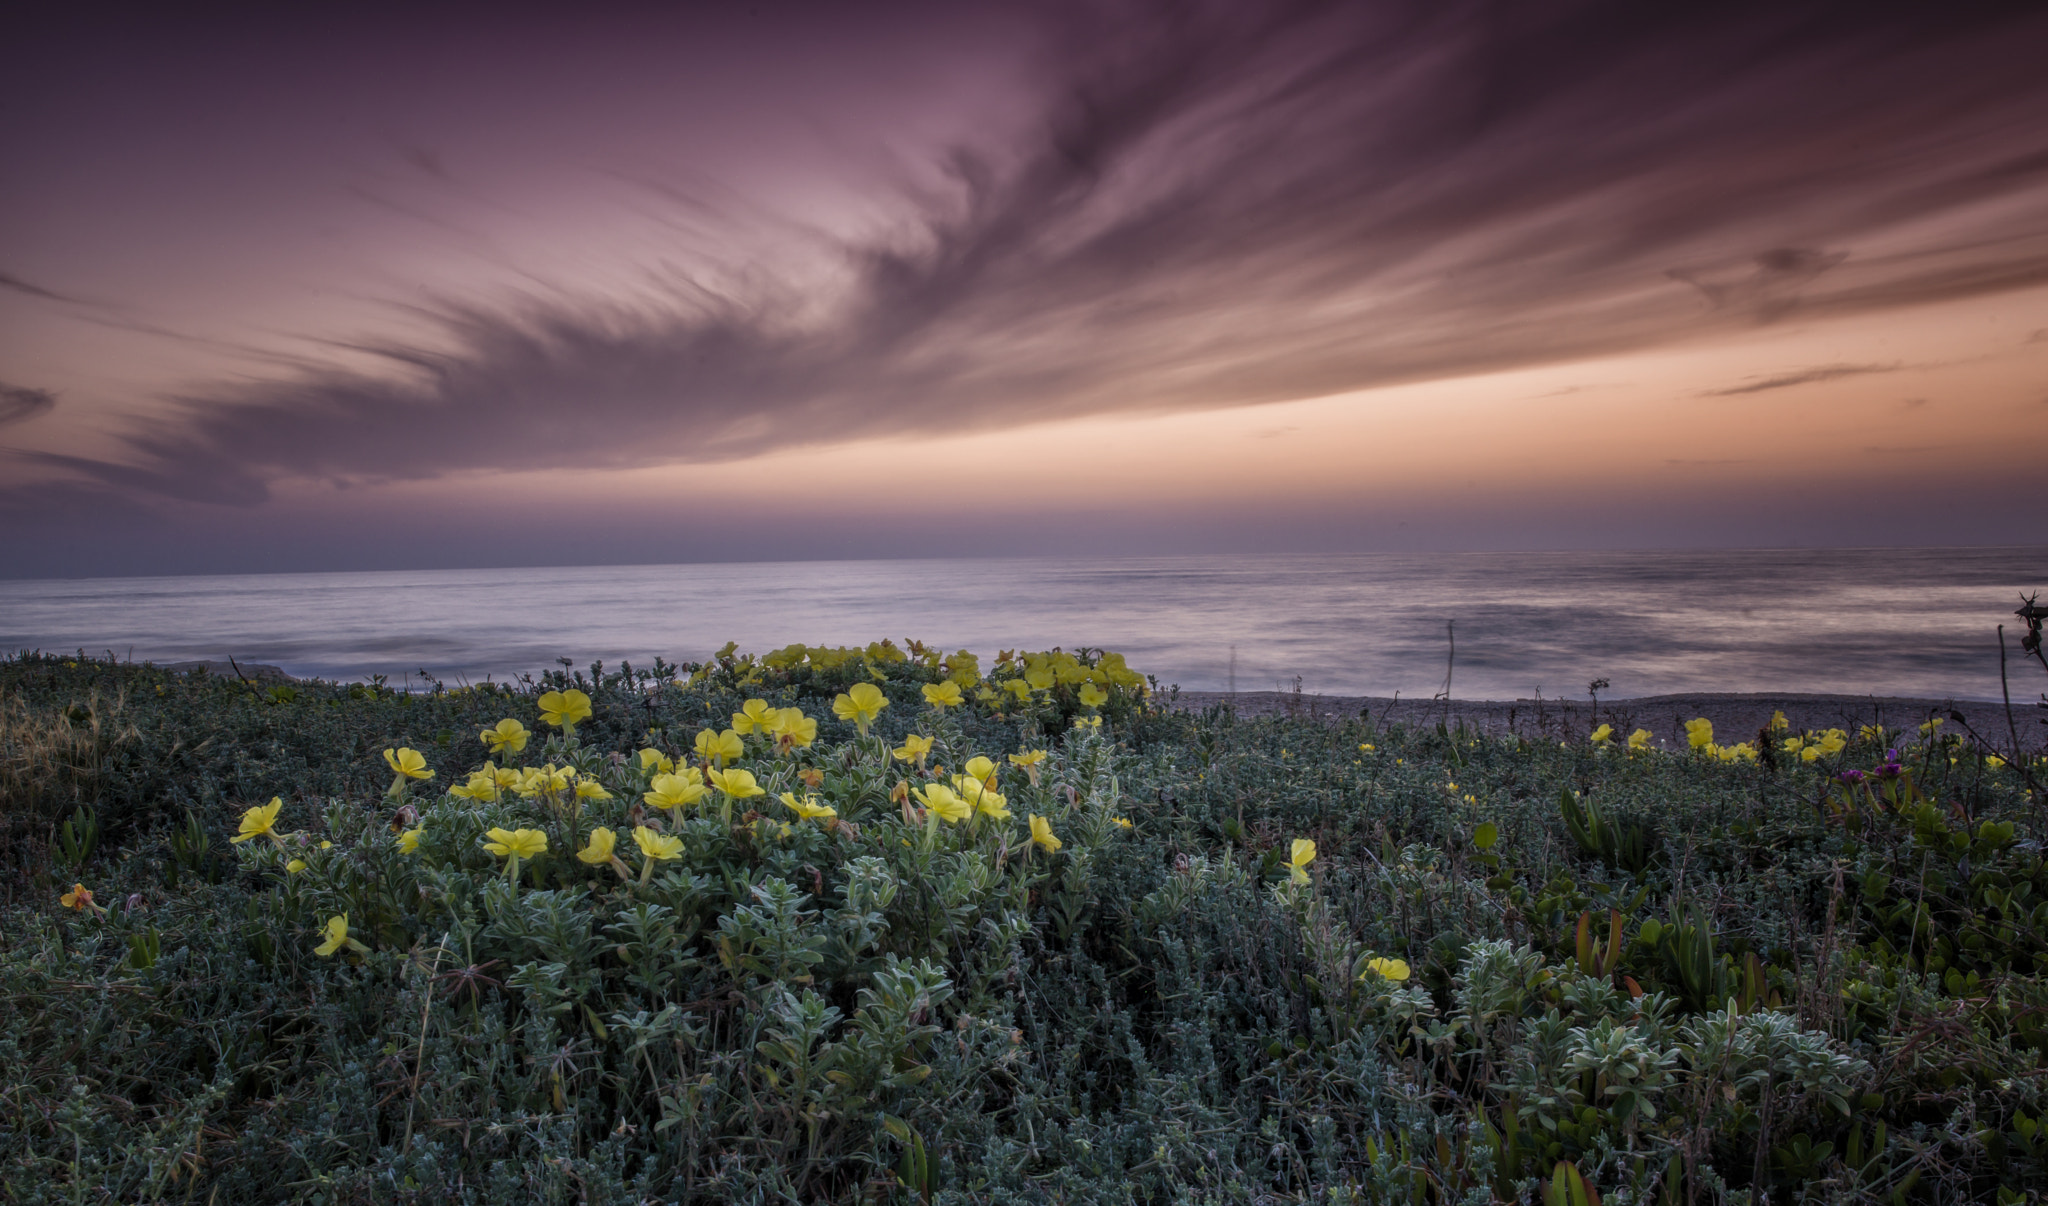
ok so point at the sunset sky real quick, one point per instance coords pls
(857, 280)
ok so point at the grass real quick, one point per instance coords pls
(1652, 977)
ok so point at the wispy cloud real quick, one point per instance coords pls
(1232, 204)
(1826, 372)
(19, 403)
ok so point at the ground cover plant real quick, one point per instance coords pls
(888, 925)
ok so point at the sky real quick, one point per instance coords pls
(376, 289)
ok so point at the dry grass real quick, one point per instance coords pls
(50, 760)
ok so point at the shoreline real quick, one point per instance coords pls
(1737, 716)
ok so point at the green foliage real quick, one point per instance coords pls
(1695, 981)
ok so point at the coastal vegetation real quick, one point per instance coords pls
(885, 924)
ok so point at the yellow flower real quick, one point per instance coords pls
(506, 737)
(792, 727)
(1388, 969)
(737, 784)
(1093, 696)
(564, 709)
(981, 768)
(1778, 722)
(549, 779)
(1369, 748)
(1699, 733)
(1042, 834)
(808, 807)
(1639, 740)
(79, 897)
(947, 806)
(409, 841)
(1019, 688)
(600, 848)
(860, 703)
(1793, 745)
(1993, 761)
(658, 847)
(1123, 821)
(1603, 734)
(1029, 760)
(517, 843)
(1040, 678)
(988, 803)
(1299, 856)
(481, 786)
(943, 695)
(656, 761)
(407, 763)
(719, 748)
(260, 821)
(1833, 742)
(754, 715)
(295, 866)
(1812, 754)
(674, 791)
(913, 749)
(337, 937)
(591, 789)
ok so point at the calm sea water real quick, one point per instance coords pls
(1908, 622)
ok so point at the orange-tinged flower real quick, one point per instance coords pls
(79, 897)
(565, 709)
(260, 821)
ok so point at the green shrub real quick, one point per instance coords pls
(1697, 978)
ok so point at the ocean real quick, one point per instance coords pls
(1915, 622)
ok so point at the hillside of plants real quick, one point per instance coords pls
(897, 925)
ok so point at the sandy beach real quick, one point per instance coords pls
(1736, 717)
